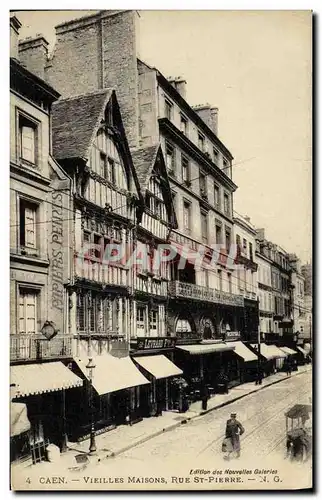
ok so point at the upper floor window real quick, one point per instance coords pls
(28, 138)
(28, 225)
(201, 141)
(168, 109)
(218, 234)
(170, 157)
(226, 204)
(203, 185)
(244, 246)
(204, 226)
(185, 169)
(106, 160)
(28, 299)
(216, 156)
(227, 238)
(216, 196)
(140, 319)
(154, 320)
(184, 125)
(187, 215)
(250, 251)
(238, 243)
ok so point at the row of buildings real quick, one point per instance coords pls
(131, 274)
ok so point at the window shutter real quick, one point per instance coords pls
(22, 315)
(30, 300)
(30, 228)
(28, 144)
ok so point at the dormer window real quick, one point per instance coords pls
(184, 125)
(201, 142)
(168, 109)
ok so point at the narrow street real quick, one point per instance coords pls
(262, 415)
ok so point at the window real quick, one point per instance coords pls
(186, 215)
(103, 170)
(220, 280)
(154, 320)
(250, 251)
(225, 165)
(203, 185)
(217, 196)
(27, 140)
(204, 277)
(185, 169)
(204, 227)
(227, 239)
(218, 234)
(140, 320)
(201, 142)
(244, 246)
(27, 225)
(184, 125)
(170, 157)
(226, 204)
(111, 171)
(229, 283)
(168, 109)
(216, 156)
(28, 311)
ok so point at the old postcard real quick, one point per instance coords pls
(160, 250)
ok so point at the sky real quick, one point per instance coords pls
(255, 66)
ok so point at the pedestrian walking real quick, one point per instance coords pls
(234, 430)
(204, 393)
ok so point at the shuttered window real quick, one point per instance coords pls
(28, 311)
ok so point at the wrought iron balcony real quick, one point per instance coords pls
(196, 292)
(36, 348)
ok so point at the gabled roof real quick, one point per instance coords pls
(75, 123)
(145, 161)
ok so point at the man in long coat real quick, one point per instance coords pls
(234, 429)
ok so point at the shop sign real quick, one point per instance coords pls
(232, 335)
(144, 343)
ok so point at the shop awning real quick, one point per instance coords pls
(19, 422)
(159, 366)
(288, 350)
(243, 352)
(112, 374)
(301, 350)
(277, 352)
(41, 378)
(206, 348)
(265, 351)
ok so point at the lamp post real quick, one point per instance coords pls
(92, 445)
(259, 374)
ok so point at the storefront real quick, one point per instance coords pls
(241, 362)
(119, 394)
(42, 388)
(153, 356)
(202, 363)
(19, 432)
(272, 358)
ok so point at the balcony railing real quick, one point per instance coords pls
(197, 292)
(36, 348)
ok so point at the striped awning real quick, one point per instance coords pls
(112, 374)
(41, 378)
(288, 350)
(19, 421)
(243, 352)
(159, 366)
(206, 348)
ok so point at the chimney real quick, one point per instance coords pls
(179, 84)
(209, 115)
(15, 26)
(33, 53)
(260, 234)
(214, 120)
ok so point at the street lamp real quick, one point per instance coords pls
(92, 445)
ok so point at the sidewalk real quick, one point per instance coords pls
(123, 438)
